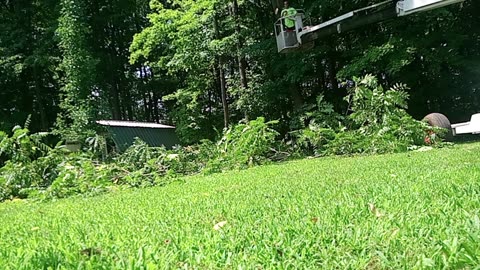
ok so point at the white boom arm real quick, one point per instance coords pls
(303, 38)
(468, 127)
(407, 7)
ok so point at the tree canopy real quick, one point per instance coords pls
(204, 64)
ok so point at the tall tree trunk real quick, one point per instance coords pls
(277, 4)
(320, 71)
(297, 97)
(39, 99)
(242, 63)
(211, 92)
(128, 105)
(145, 107)
(143, 91)
(156, 115)
(114, 91)
(152, 107)
(332, 70)
(115, 100)
(127, 101)
(155, 98)
(223, 89)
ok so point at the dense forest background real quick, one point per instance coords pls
(204, 64)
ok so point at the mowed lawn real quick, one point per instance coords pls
(402, 211)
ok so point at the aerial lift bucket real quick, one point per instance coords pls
(302, 38)
(288, 40)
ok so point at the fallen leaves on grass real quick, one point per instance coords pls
(219, 225)
(374, 210)
(395, 232)
(90, 251)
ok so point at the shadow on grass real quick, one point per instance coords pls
(466, 138)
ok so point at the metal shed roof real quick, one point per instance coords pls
(124, 133)
(112, 123)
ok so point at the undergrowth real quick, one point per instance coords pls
(377, 124)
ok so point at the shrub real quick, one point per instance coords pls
(78, 174)
(381, 117)
(18, 152)
(318, 122)
(313, 139)
(243, 145)
(381, 124)
(372, 106)
(378, 123)
(29, 171)
(321, 114)
(14, 178)
(346, 143)
(21, 146)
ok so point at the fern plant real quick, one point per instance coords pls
(244, 144)
(371, 105)
(380, 115)
(318, 124)
(22, 146)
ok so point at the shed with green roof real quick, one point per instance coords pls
(154, 134)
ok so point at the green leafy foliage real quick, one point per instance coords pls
(381, 118)
(372, 106)
(73, 62)
(79, 175)
(148, 166)
(244, 144)
(314, 126)
(378, 123)
(58, 173)
(21, 146)
(313, 139)
(17, 154)
(74, 123)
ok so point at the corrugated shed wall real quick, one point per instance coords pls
(124, 136)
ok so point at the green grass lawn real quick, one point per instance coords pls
(403, 211)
